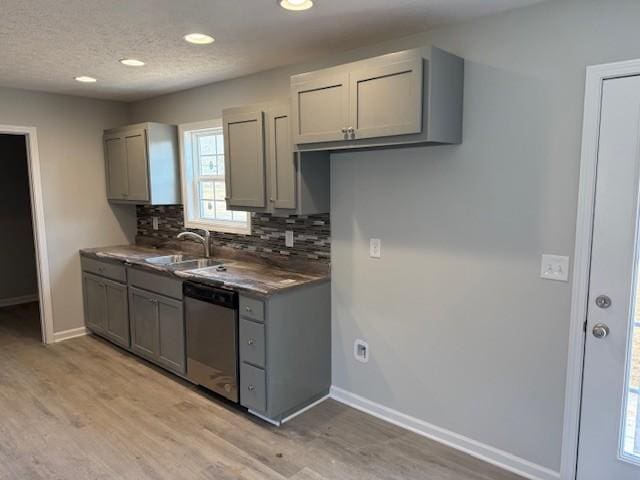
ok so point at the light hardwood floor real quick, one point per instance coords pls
(83, 409)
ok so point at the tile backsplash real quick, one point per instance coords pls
(312, 234)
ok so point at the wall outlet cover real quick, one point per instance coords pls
(288, 238)
(361, 351)
(555, 267)
(375, 248)
(154, 222)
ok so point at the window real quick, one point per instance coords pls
(204, 189)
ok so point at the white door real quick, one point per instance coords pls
(609, 428)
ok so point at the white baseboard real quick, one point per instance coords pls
(67, 334)
(476, 449)
(8, 302)
(302, 410)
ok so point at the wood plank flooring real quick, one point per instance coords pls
(84, 409)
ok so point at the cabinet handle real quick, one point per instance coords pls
(345, 130)
(251, 341)
(248, 309)
(251, 388)
(352, 132)
(272, 200)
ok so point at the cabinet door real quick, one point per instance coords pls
(386, 99)
(117, 321)
(171, 351)
(95, 307)
(282, 164)
(244, 159)
(320, 108)
(116, 166)
(137, 165)
(143, 314)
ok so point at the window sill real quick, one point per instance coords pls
(218, 227)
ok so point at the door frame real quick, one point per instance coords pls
(39, 232)
(596, 75)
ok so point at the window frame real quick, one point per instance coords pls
(190, 187)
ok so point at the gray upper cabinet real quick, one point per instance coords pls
(320, 107)
(263, 173)
(282, 164)
(386, 99)
(409, 97)
(244, 159)
(142, 164)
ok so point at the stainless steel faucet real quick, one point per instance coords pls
(205, 240)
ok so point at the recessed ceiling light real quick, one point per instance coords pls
(296, 5)
(199, 38)
(132, 62)
(85, 79)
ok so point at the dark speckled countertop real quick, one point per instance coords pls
(244, 272)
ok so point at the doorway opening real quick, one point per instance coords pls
(19, 297)
(25, 301)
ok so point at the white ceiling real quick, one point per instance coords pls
(45, 43)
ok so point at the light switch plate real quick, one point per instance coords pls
(154, 222)
(375, 248)
(288, 238)
(555, 267)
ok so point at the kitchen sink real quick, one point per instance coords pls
(171, 259)
(196, 264)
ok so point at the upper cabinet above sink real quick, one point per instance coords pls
(263, 173)
(408, 97)
(142, 164)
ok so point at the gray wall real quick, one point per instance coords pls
(18, 277)
(463, 333)
(76, 211)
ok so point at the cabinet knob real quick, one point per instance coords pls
(248, 309)
(251, 388)
(352, 132)
(272, 200)
(251, 341)
(345, 130)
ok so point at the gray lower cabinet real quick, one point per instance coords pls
(285, 350)
(157, 329)
(106, 308)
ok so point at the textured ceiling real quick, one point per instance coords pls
(45, 43)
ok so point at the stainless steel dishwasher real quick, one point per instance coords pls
(211, 315)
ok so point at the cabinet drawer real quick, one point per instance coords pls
(252, 308)
(155, 283)
(113, 271)
(253, 388)
(252, 342)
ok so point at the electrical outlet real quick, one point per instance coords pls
(288, 238)
(154, 222)
(375, 248)
(361, 350)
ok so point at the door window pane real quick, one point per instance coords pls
(631, 444)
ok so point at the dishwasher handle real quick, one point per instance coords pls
(205, 293)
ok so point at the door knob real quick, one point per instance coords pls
(603, 301)
(600, 330)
